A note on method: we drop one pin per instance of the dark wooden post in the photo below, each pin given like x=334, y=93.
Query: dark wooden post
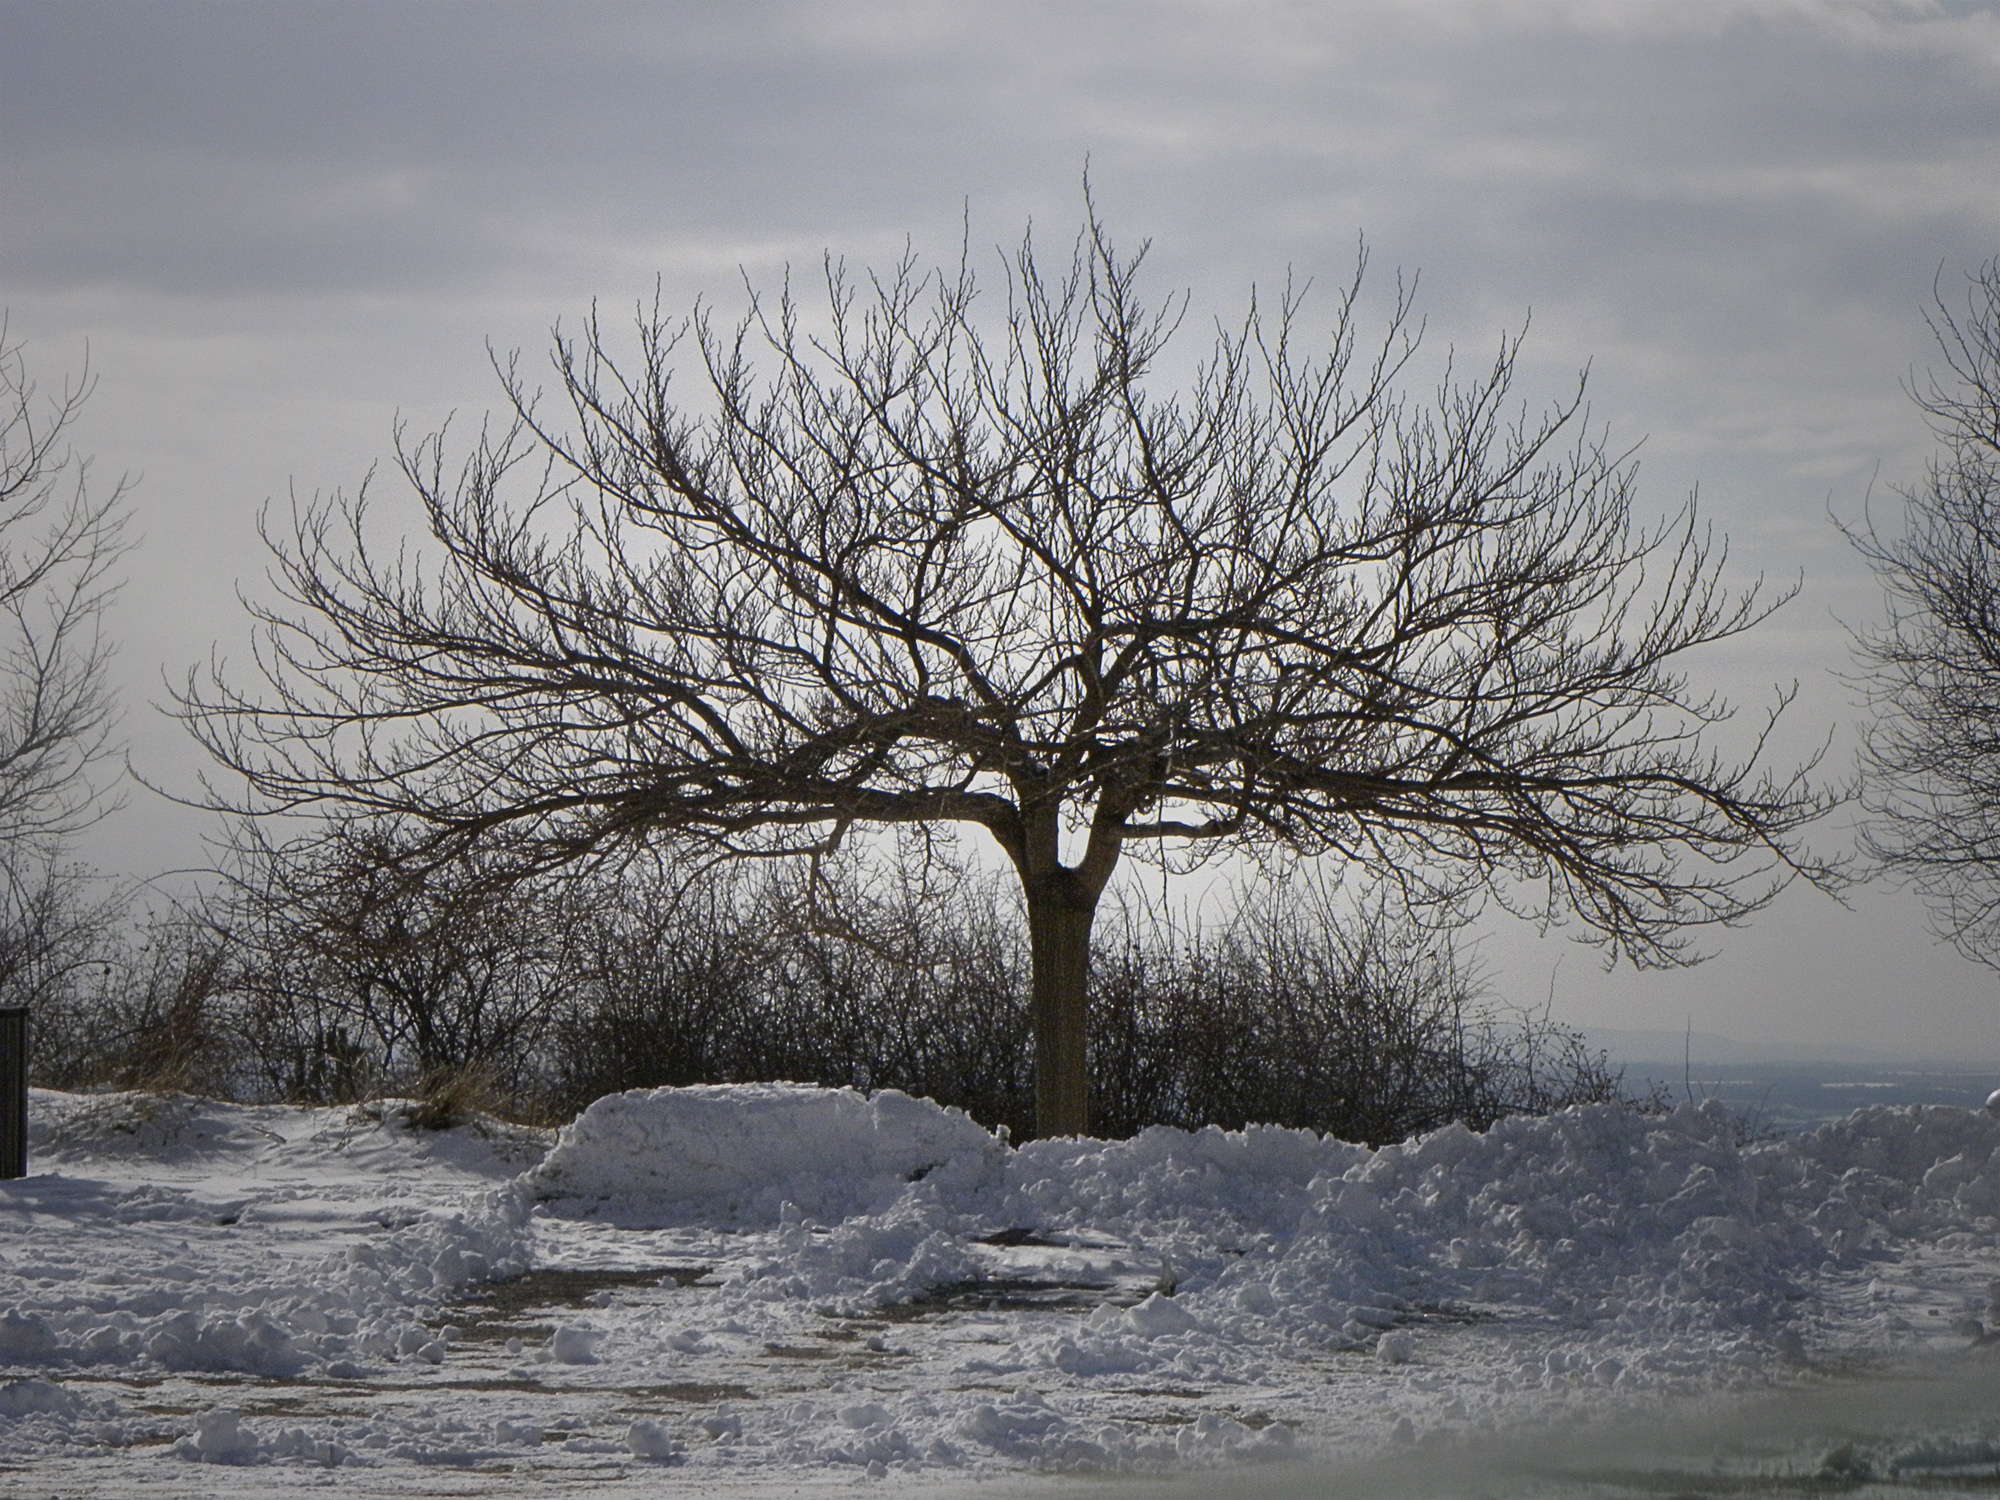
x=13, y=1091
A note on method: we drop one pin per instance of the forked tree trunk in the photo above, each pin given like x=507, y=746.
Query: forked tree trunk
x=1059, y=942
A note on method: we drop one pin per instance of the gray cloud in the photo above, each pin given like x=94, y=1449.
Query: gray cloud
x=277, y=223
x=210, y=148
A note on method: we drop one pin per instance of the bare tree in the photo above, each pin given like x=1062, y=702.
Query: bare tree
x=930, y=566
x=1931, y=756
x=59, y=544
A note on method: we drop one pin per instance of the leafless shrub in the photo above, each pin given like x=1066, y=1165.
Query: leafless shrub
x=333, y=977
x=735, y=979
x=1357, y=1023
x=357, y=974
x=149, y=1011
x=56, y=924
x=1353, y=1021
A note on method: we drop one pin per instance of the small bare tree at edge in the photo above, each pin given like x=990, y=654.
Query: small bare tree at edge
x=61, y=541
x=927, y=565
x=1930, y=759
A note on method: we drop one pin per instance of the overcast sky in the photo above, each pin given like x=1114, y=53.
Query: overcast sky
x=277, y=226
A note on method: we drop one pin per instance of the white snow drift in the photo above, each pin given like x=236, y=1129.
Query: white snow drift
x=1240, y=1294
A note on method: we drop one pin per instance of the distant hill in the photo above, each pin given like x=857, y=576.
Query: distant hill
x=1706, y=1047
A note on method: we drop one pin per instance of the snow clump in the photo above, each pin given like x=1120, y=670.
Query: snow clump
x=738, y=1154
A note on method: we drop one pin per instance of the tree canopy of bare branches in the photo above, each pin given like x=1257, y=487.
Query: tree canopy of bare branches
x=915, y=557
x=1931, y=757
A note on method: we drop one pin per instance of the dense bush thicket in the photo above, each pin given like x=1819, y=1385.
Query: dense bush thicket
x=157, y=1011
x=1358, y=1024
x=325, y=976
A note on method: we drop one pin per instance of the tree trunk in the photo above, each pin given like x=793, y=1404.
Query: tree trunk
x=1059, y=919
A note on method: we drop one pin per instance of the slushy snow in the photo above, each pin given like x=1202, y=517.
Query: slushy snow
x=788, y=1281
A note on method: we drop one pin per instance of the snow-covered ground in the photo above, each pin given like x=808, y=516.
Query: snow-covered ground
x=771, y=1289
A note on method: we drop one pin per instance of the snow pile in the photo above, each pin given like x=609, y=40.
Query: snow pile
x=1029, y=1427
x=811, y=1279
x=738, y=1154
x=1200, y=1183
x=1906, y=1172
x=1641, y=1226
x=153, y=1309
x=1647, y=1225
x=170, y=1296
x=1025, y=1428
x=138, y=1126
x=865, y=1262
